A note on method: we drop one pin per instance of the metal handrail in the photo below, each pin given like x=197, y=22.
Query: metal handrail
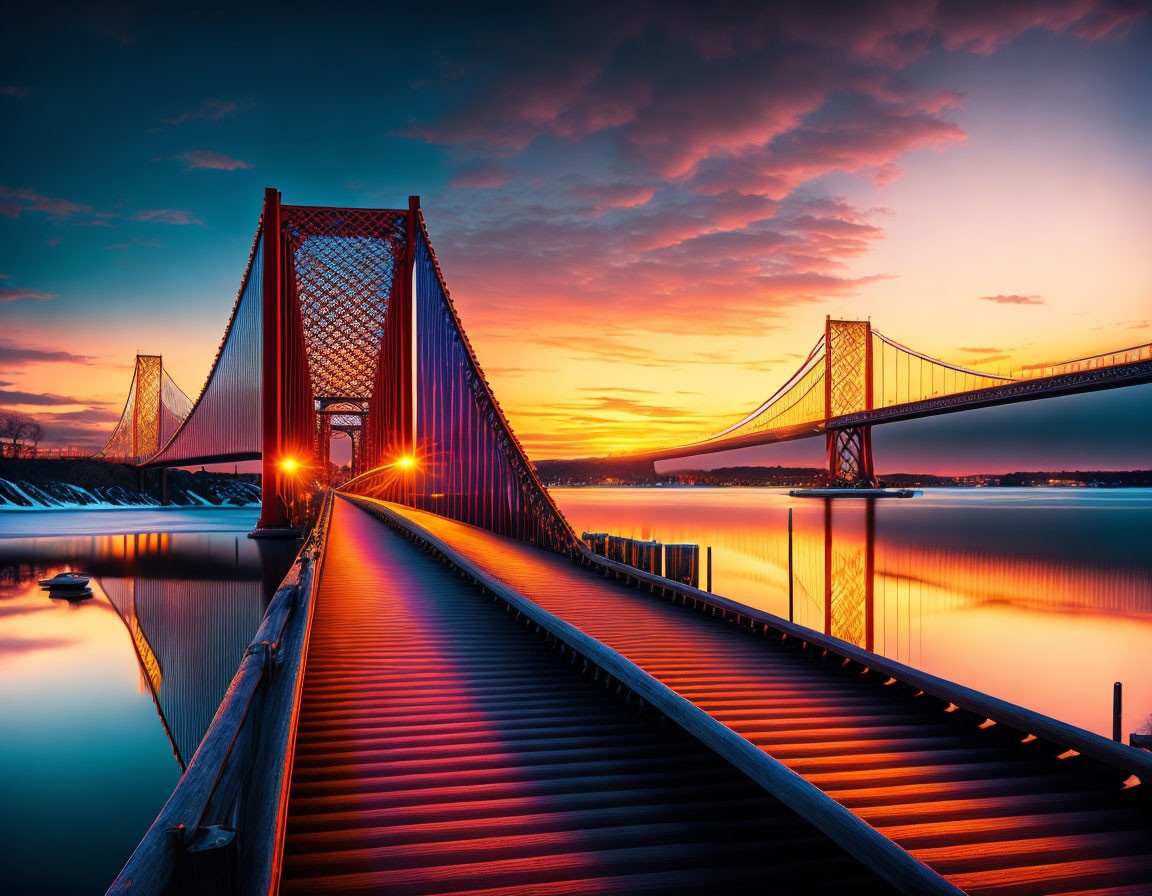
x=1125, y=758
x=194, y=838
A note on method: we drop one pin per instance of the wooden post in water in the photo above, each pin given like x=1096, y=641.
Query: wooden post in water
x=709, y=569
x=1117, y=709
x=790, y=578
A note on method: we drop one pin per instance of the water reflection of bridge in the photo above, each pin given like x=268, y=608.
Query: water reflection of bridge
x=873, y=581
x=189, y=636
x=190, y=601
x=850, y=582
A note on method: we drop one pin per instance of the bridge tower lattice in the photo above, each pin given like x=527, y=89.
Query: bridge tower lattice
x=848, y=381
x=153, y=412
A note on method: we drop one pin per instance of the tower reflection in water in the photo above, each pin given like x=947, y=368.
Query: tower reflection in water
x=190, y=636
x=877, y=593
x=190, y=602
x=190, y=633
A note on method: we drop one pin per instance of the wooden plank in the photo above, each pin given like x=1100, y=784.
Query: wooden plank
x=854, y=835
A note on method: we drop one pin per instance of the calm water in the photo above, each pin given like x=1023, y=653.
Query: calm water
x=1039, y=596
x=102, y=702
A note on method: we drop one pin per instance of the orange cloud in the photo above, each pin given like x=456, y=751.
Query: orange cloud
x=1013, y=300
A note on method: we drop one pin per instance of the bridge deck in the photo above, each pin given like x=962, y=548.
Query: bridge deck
x=441, y=748
x=988, y=812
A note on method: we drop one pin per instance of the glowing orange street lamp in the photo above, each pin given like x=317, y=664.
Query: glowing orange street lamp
x=406, y=462
x=288, y=465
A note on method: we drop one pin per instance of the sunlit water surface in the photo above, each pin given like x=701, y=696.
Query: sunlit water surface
x=102, y=702
x=1038, y=596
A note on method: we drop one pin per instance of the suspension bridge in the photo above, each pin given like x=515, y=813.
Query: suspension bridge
x=323, y=341
x=855, y=378
x=450, y=693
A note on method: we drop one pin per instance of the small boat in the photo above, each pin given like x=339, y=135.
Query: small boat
x=66, y=580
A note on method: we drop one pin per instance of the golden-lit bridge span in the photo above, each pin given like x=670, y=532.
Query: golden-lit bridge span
x=855, y=378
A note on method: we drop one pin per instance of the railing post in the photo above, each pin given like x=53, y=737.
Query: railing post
x=1117, y=710
x=709, y=569
x=791, y=579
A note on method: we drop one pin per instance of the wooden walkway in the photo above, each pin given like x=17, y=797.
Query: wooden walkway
x=442, y=748
x=991, y=810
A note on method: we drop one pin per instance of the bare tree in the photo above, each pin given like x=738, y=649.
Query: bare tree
x=35, y=435
x=17, y=429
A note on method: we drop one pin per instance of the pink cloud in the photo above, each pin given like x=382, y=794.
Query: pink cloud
x=210, y=110
x=13, y=294
x=665, y=164
x=15, y=353
x=992, y=358
x=15, y=200
x=208, y=159
x=736, y=78
x=1013, y=300
x=615, y=195
x=984, y=28
x=168, y=216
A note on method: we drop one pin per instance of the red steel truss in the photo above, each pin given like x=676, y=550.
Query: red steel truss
x=444, y=445
x=343, y=324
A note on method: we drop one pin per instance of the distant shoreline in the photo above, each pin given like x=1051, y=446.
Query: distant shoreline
x=563, y=474
x=102, y=508
x=671, y=485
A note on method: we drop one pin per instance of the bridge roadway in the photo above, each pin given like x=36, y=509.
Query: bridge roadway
x=988, y=808
x=440, y=748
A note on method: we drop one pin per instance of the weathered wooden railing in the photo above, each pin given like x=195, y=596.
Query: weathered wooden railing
x=221, y=830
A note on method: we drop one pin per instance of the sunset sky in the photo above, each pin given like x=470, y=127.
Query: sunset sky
x=644, y=211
